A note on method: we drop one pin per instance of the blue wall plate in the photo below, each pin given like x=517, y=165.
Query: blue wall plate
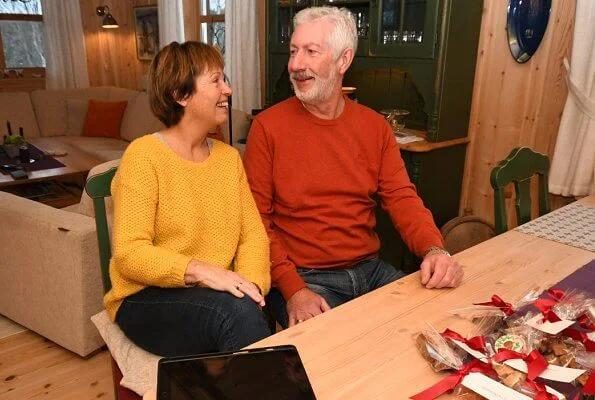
x=527, y=22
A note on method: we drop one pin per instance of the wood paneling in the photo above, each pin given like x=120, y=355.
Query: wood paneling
x=111, y=53
x=513, y=104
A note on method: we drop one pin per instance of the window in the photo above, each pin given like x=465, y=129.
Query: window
x=212, y=23
x=21, y=36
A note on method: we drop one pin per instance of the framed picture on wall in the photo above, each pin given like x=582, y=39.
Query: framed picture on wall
x=147, y=32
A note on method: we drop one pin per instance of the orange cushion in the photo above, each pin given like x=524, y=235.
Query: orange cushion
x=104, y=118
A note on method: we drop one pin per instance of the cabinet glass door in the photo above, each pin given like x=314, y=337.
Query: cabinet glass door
x=405, y=28
x=284, y=11
x=361, y=11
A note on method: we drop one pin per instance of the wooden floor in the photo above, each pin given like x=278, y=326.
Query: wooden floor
x=32, y=367
x=9, y=328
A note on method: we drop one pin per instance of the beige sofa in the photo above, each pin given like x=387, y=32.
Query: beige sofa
x=50, y=279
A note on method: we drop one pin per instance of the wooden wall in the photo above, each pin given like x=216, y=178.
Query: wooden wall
x=513, y=104
x=111, y=53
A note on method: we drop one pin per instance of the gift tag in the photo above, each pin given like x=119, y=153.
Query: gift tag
x=494, y=390
x=553, y=328
x=552, y=372
x=491, y=389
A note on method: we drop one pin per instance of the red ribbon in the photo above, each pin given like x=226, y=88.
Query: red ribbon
x=586, y=322
x=545, y=305
x=589, y=387
x=505, y=307
x=536, y=363
x=476, y=343
x=556, y=294
x=450, y=382
x=581, y=337
x=542, y=393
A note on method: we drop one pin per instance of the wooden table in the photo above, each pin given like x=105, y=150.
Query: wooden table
x=364, y=349
x=75, y=162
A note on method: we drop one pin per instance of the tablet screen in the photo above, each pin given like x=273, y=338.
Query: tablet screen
x=269, y=373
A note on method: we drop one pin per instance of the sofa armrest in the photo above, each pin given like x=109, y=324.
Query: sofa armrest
x=50, y=278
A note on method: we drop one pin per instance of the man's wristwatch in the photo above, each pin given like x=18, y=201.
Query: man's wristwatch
x=436, y=250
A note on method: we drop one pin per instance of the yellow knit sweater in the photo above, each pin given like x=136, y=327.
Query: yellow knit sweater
x=168, y=210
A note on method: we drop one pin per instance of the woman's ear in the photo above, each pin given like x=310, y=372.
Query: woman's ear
x=183, y=102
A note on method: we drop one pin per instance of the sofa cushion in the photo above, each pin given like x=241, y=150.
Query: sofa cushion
x=139, y=119
x=104, y=119
x=51, y=110
x=77, y=111
x=104, y=148
x=16, y=107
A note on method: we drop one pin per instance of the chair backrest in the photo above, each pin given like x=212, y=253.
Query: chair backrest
x=520, y=165
x=98, y=187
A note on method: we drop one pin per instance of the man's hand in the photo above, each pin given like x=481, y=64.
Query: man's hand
x=440, y=270
x=305, y=304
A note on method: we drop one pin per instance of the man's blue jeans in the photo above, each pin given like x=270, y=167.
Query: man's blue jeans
x=338, y=286
x=174, y=322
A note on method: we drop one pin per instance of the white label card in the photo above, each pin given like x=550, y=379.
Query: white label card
x=491, y=389
x=553, y=328
x=494, y=390
x=552, y=372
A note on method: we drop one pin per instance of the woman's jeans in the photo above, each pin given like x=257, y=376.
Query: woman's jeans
x=183, y=321
x=339, y=285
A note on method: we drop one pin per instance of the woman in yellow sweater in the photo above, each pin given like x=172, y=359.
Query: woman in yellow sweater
x=190, y=265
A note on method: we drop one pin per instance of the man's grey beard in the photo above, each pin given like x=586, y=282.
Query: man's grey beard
x=322, y=90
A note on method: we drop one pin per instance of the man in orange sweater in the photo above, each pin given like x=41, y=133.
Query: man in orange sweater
x=314, y=162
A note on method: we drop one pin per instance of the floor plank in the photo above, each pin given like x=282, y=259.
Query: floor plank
x=9, y=328
x=32, y=367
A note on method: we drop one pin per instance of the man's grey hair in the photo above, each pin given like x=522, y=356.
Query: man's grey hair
x=344, y=35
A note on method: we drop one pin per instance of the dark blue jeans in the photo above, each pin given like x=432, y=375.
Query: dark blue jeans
x=338, y=286
x=184, y=321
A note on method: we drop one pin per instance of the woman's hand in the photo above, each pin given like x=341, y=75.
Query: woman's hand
x=223, y=280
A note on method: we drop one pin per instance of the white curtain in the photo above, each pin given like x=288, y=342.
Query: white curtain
x=171, y=21
x=242, y=61
x=572, y=172
x=66, y=59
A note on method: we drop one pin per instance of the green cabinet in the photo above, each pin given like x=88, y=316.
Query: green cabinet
x=417, y=55
x=414, y=54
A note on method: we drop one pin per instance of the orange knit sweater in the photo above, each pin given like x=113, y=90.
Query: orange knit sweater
x=313, y=182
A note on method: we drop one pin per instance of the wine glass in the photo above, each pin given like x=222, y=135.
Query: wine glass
x=396, y=120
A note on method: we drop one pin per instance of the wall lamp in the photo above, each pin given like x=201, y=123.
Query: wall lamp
x=109, y=22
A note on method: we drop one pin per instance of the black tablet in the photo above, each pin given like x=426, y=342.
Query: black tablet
x=265, y=373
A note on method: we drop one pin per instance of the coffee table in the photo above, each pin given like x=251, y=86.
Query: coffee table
x=77, y=164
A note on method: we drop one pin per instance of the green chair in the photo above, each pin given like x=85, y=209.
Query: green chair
x=520, y=165
x=98, y=187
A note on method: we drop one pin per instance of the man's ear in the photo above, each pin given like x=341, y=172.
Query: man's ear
x=345, y=60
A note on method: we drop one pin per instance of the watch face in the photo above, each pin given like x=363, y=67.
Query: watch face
x=527, y=23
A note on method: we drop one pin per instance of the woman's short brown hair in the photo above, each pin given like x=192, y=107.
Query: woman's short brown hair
x=172, y=74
